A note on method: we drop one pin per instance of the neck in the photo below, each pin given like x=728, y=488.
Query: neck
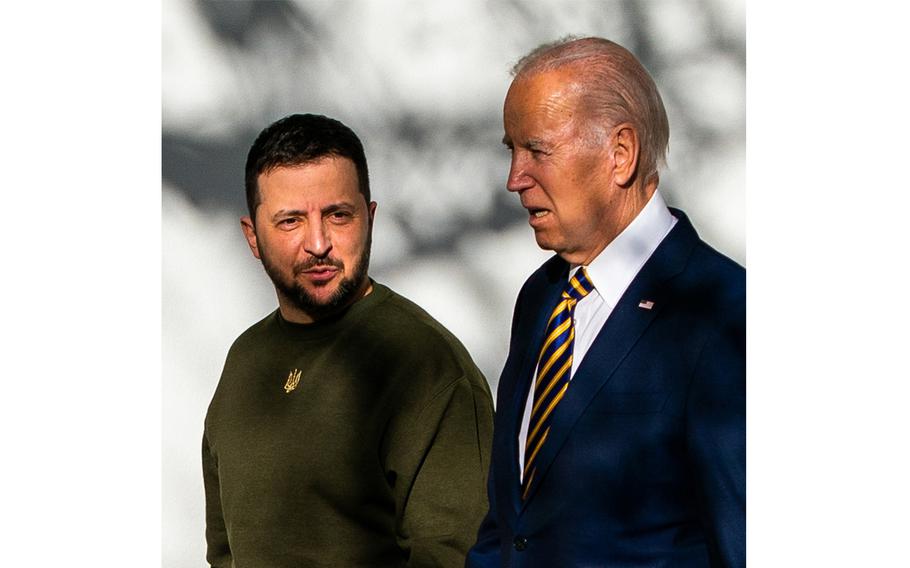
x=624, y=210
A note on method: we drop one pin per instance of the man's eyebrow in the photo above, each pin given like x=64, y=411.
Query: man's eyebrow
x=339, y=206
x=288, y=213
x=531, y=143
x=330, y=208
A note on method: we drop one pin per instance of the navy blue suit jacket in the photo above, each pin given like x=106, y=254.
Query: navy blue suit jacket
x=645, y=464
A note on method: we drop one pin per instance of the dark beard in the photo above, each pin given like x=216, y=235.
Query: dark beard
x=347, y=289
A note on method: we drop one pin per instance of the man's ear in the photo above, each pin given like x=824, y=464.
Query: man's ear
x=625, y=151
x=249, y=231
x=372, y=209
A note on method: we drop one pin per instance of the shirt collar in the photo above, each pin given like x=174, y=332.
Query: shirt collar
x=615, y=267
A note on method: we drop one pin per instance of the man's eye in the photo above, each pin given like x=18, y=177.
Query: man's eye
x=340, y=216
x=288, y=223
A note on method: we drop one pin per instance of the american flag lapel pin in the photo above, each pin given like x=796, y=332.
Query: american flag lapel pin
x=646, y=304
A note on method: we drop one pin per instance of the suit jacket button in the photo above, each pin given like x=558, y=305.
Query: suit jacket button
x=520, y=543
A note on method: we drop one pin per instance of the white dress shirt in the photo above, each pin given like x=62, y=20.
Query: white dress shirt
x=610, y=273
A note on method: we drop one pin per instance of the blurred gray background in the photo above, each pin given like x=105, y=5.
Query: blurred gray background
x=422, y=84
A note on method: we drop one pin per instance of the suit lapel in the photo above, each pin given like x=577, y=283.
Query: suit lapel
x=616, y=339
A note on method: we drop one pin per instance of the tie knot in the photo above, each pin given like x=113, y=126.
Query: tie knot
x=579, y=286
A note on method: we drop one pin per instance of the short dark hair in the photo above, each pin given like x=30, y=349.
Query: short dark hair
x=301, y=139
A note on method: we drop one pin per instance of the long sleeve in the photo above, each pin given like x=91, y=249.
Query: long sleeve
x=716, y=431
x=218, y=554
x=439, y=462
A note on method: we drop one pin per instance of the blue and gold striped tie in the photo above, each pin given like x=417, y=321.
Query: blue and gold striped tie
x=554, y=366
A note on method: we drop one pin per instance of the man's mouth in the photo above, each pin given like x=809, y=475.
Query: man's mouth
x=320, y=273
x=538, y=217
x=537, y=213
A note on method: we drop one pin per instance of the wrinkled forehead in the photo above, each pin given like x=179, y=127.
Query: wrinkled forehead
x=566, y=80
x=553, y=98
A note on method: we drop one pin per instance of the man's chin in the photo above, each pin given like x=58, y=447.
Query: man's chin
x=323, y=297
x=544, y=241
x=322, y=300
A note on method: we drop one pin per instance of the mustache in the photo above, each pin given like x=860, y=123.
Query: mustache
x=314, y=262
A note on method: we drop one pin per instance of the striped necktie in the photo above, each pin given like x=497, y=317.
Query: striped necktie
x=554, y=366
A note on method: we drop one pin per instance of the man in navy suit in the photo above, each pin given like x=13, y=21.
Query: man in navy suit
x=619, y=436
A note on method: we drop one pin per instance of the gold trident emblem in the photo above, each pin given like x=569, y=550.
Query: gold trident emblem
x=292, y=382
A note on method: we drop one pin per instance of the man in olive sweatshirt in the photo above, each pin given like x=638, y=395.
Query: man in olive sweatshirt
x=349, y=428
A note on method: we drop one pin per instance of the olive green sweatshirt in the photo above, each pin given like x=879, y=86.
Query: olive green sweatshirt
x=359, y=441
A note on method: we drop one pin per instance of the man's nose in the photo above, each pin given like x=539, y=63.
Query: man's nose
x=518, y=176
x=318, y=240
